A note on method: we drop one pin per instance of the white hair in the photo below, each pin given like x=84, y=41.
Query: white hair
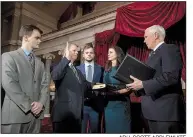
x=159, y=29
x=69, y=44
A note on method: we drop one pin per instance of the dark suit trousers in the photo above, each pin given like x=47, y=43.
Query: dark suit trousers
x=91, y=116
x=166, y=127
x=67, y=126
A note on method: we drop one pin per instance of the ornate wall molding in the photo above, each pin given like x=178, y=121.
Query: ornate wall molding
x=81, y=37
x=49, y=56
x=93, y=15
x=11, y=42
x=38, y=14
x=32, y=12
x=97, y=21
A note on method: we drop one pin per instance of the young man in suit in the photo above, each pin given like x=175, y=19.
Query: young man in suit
x=162, y=97
x=94, y=105
x=70, y=87
x=25, y=83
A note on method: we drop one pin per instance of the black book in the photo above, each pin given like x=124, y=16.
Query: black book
x=134, y=67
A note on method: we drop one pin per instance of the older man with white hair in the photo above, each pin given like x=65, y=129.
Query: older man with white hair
x=162, y=97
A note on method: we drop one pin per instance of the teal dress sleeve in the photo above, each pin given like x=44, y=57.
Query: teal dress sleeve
x=108, y=77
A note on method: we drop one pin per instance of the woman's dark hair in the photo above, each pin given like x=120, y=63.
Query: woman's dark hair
x=120, y=57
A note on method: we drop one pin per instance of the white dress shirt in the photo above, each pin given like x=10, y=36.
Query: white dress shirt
x=158, y=45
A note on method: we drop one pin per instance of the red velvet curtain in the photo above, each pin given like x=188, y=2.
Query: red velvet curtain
x=182, y=47
x=138, y=52
x=103, y=41
x=133, y=19
x=183, y=53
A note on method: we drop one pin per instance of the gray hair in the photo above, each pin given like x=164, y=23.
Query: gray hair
x=159, y=29
x=69, y=44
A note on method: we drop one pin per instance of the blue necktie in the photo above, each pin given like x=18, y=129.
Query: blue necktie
x=89, y=74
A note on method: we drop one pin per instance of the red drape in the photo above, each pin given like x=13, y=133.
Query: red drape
x=138, y=52
x=103, y=41
x=183, y=53
x=182, y=47
x=133, y=19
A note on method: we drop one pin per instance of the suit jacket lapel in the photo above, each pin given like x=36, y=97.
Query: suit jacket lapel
x=95, y=72
x=82, y=67
x=155, y=52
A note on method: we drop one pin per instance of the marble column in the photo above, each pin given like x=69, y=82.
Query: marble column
x=49, y=57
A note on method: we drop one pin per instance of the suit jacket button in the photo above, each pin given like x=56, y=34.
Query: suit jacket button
x=34, y=81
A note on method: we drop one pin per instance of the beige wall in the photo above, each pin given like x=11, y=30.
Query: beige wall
x=101, y=5
x=28, y=20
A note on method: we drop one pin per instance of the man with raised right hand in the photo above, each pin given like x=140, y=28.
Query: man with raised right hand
x=70, y=87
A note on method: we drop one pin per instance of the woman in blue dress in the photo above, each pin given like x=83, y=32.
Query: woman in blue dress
x=117, y=110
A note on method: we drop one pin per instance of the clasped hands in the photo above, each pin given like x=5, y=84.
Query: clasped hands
x=37, y=107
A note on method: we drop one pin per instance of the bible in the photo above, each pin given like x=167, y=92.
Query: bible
x=99, y=86
x=134, y=67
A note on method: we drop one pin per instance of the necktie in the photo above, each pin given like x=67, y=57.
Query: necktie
x=32, y=61
x=75, y=72
x=151, y=53
x=89, y=74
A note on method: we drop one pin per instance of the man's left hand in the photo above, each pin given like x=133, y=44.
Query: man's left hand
x=136, y=85
x=36, y=107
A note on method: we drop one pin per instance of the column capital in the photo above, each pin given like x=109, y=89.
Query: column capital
x=48, y=56
x=61, y=52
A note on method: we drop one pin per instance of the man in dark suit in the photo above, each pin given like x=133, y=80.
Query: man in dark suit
x=70, y=87
x=93, y=105
x=162, y=97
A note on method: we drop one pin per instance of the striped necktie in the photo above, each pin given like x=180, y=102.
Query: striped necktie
x=75, y=72
x=32, y=61
x=151, y=53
